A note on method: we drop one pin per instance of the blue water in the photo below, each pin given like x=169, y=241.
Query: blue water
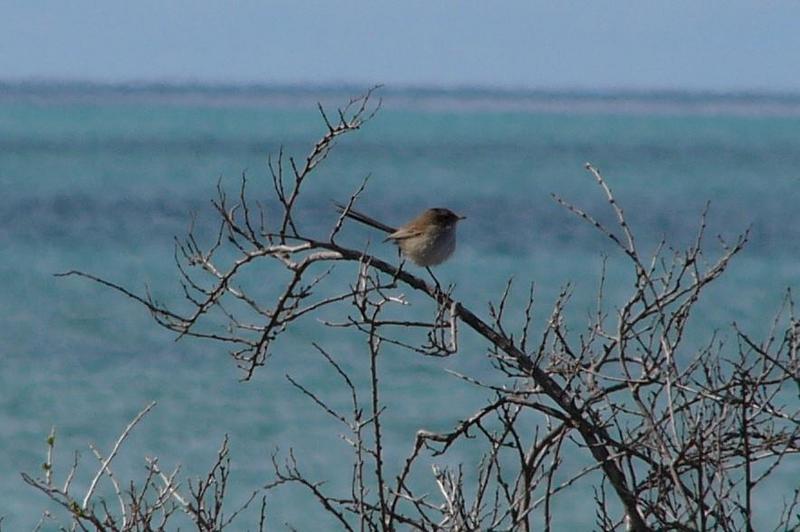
x=100, y=180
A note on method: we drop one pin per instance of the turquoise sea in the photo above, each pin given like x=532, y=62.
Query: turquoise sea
x=100, y=179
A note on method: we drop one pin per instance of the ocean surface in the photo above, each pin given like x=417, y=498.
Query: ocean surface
x=101, y=179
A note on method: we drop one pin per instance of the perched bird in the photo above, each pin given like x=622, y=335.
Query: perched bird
x=427, y=240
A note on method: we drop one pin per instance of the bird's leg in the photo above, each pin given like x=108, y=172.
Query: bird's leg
x=435, y=280
x=397, y=271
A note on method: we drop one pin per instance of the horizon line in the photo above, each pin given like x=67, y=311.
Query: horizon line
x=465, y=89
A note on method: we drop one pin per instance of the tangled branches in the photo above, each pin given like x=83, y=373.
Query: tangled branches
x=682, y=437
x=152, y=505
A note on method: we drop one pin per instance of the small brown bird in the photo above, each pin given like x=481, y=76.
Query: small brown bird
x=427, y=240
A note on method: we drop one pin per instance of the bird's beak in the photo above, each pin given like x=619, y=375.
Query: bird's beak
x=461, y=217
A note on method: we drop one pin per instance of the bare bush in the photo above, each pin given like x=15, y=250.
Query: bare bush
x=671, y=437
x=152, y=505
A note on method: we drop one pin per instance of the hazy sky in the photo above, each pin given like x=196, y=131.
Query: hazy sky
x=698, y=44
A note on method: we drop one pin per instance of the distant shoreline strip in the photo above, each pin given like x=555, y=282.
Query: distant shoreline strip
x=423, y=98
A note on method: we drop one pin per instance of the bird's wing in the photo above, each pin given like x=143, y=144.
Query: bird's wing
x=404, y=233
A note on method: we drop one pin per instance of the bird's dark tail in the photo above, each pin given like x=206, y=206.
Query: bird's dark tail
x=363, y=218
